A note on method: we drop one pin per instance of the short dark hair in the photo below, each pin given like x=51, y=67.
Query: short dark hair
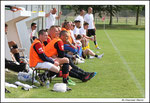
x=6, y=25
x=81, y=10
x=33, y=24
x=78, y=37
x=65, y=24
x=62, y=32
x=77, y=21
x=85, y=23
x=41, y=32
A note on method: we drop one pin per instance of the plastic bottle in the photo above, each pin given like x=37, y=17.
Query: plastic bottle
x=47, y=83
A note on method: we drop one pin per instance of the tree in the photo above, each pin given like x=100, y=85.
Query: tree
x=139, y=8
x=111, y=10
x=136, y=8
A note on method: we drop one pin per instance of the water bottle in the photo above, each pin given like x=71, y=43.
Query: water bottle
x=47, y=83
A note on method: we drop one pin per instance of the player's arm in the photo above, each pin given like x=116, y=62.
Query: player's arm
x=60, y=48
x=71, y=44
x=39, y=50
x=48, y=14
x=59, y=15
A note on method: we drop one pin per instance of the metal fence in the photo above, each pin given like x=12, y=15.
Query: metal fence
x=125, y=17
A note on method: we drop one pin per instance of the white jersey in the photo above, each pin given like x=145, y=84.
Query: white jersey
x=79, y=43
x=32, y=33
x=81, y=19
x=50, y=20
x=82, y=31
x=89, y=19
x=76, y=31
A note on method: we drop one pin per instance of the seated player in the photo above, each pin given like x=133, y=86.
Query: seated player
x=50, y=51
x=37, y=58
x=70, y=45
x=87, y=51
x=75, y=72
x=85, y=39
x=77, y=28
x=13, y=47
x=59, y=51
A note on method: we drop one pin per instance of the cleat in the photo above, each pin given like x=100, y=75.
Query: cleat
x=100, y=56
x=98, y=48
x=86, y=78
x=78, y=61
x=89, y=76
x=70, y=82
x=91, y=57
x=93, y=75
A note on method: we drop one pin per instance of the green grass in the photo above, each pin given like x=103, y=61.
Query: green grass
x=112, y=79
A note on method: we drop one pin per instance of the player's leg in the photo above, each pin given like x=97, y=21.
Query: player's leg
x=14, y=50
x=48, y=66
x=95, y=42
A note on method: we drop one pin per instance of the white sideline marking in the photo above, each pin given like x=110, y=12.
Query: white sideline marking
x=138, y=85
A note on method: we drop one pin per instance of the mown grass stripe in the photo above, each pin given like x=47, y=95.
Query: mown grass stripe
x=138, y=85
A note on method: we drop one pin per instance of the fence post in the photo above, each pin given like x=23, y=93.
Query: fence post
x=126, y=20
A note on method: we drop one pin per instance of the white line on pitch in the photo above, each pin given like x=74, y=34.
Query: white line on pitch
x=138, y=85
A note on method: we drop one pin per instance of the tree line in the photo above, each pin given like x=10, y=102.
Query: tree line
x=110, y=10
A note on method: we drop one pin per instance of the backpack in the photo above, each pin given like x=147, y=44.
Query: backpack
x=15, y=67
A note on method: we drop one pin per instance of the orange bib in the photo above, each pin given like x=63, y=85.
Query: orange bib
x=34, y=58
x=50, y=50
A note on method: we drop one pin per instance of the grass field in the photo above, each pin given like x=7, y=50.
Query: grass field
x=120, y=73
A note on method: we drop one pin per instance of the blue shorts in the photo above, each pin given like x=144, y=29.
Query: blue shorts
x=73, y=50
x=70, y=48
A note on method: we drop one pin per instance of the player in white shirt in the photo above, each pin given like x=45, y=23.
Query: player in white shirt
x=87, y=52
x=80, y=17
x=77, y=28
x=51, y=18
x=91, y=29
x=32, y=32
x=85, y=39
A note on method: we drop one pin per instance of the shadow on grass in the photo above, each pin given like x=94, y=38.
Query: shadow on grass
x=120, y=27
x=11, y=76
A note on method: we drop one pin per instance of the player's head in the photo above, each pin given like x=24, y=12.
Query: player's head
x=54, y=11
x=77, y=23
x=33, y=26
x=86, y=25
x=43, y=35
x=82, y=12
x=59, y=28
x=67, y=25
x=90, y=10
x=72, y=26
x=79, y=37
x=64, y=35
x=53, y=32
